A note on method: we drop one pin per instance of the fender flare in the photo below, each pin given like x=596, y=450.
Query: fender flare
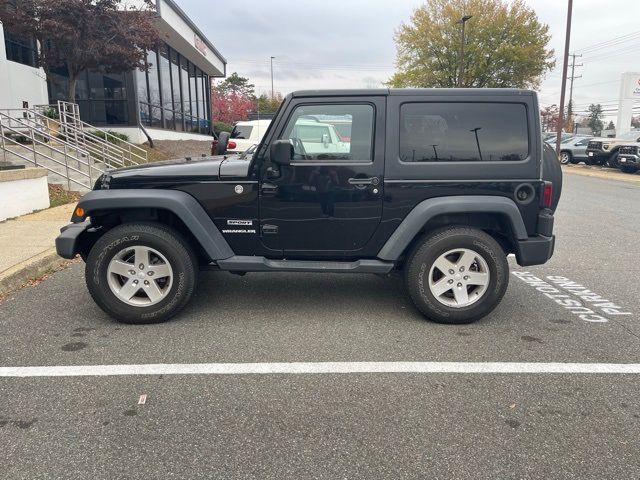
x=428, y=209
x=183, y=205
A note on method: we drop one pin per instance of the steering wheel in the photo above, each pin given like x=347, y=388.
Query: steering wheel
x=298, y=146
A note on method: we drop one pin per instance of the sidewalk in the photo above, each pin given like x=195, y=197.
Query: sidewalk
x=601, y=172
x=27, y=246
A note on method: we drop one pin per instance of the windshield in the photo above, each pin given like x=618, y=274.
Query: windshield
x=241, y=131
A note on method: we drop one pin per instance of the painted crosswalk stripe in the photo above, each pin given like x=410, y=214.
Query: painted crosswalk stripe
x=320, y=368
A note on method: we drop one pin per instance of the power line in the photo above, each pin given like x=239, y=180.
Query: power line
x=610, y=42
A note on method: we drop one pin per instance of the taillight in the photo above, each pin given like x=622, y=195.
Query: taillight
x=231, y=145
x=547, y=195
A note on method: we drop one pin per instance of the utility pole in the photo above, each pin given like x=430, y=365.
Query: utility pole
x=565, y=63
x=572, y=78
x=463, y=20
x=272, y=94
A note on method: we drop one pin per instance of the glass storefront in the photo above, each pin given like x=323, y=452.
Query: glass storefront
x=173, y=94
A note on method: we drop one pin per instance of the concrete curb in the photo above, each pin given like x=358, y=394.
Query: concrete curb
x=16, y=276
x=599, y=172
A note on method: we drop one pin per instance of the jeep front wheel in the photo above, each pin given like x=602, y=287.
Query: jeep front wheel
x=457, y=275
x=141, y=273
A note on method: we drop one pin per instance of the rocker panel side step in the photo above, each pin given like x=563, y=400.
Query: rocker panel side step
x=239, y=263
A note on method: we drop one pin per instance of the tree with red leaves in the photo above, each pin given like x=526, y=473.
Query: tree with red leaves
x=232, y=99
x=549, y=117
x=98, y=35
x=230, y=107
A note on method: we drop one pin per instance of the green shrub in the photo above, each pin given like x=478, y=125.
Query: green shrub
x=221, y=127
x=114, y=137
x=22, y=139
x=51, y=113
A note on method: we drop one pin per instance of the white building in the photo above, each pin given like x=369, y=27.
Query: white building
x=172, y=100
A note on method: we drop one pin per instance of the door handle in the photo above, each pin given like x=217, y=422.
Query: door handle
x=269, y=189
x=361, y=182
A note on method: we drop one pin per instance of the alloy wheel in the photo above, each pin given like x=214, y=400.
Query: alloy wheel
x=459, y=277
x=139, y=276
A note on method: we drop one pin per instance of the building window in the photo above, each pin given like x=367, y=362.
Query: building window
x=20, y=50
x=175, y=88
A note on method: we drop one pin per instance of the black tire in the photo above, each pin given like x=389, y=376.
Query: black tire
x=552, y=172
x=223, y=141
x=612, y=161
x=574, y=160
x=566, y=157
x=591, y=161
x=158, y=237
x=629, y=169
x=430, y=248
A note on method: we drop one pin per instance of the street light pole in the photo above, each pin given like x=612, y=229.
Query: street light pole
x=463, y=20
x=565, y=65
x=272, y=94
x=475, y=130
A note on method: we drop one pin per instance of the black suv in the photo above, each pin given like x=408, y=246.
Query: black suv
x=440, y=184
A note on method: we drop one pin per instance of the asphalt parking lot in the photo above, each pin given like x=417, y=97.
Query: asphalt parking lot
x=341, y=425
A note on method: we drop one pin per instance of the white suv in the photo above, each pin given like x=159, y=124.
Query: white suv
x=244, y=135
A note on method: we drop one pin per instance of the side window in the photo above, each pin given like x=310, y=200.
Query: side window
x=463, y=132
x=331, y=132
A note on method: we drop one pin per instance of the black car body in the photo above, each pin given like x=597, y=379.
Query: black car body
x=416, y=163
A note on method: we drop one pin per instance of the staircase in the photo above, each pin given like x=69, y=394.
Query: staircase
x=54, y=137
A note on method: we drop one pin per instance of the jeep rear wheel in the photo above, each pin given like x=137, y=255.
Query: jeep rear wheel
x=457, y=275
x=141, y=273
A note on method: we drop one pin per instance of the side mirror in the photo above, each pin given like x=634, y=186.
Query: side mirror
x=325, y=139
x=281, y=152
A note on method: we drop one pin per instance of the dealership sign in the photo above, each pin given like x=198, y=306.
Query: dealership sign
x=629, y=91
x=200, y=45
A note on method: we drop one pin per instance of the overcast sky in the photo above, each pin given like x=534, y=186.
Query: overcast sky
x=349, y=43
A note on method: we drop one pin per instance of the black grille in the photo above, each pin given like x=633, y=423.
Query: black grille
x=595, y=145
x=628, y=150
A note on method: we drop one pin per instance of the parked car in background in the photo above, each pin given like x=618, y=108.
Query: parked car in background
x=550, y=137
x=574, y=150
x=243, y=135
x=602, y=150
x=319, y=138
x=629, y=158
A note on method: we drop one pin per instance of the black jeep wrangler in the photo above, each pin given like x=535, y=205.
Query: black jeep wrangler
x=440, y=184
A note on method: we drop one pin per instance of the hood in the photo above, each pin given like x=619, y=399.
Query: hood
x=173, y=172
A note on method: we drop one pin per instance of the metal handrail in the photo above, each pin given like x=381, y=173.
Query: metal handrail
x=96, y=145
x=63, y=112
x=34, y=132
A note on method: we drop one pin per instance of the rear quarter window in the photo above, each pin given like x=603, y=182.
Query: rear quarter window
x=463, y=132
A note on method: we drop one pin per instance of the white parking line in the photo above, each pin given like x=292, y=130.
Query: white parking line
x=317, y=367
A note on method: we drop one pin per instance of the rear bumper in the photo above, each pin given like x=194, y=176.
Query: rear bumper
x=535, y=250
x=67, y=241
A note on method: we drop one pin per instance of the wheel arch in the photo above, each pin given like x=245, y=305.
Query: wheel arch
x=498, y=216
x=179, y=210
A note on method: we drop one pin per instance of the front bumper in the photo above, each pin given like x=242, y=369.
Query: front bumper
x=68, y=241
x=633, y=160
x=597, y=154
